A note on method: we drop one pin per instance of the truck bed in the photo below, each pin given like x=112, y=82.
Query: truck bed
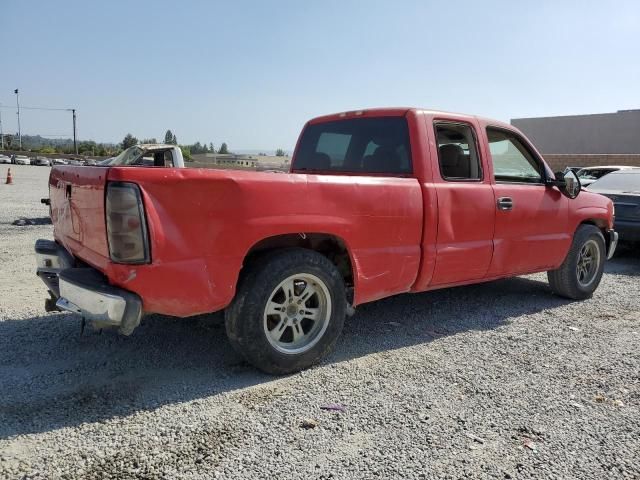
x=203, y=222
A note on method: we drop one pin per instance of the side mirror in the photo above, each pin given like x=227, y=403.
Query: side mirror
x=568, y=183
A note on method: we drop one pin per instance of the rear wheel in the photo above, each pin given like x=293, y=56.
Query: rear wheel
x=288, y=311
x=581, y=272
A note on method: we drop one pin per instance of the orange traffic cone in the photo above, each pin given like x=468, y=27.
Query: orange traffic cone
x=9, y=178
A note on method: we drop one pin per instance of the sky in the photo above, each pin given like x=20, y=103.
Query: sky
x=251, y=73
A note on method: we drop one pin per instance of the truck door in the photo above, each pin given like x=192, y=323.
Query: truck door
x=466, y=212
x=531, y=218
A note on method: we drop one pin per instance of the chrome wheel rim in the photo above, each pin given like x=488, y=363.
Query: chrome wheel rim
x=588, y=263
x=297, y=313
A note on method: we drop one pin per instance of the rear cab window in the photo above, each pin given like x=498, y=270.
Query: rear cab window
x=357, y=145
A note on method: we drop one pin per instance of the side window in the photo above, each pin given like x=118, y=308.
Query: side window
x=457, y=152
x=168, y=159
x=512, y=161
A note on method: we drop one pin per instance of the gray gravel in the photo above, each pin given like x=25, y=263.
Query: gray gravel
x=501, y=380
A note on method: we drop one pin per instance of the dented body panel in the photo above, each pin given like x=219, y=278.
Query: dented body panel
x=198, y=243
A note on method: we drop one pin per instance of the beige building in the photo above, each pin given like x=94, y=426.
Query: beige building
x=585, y=140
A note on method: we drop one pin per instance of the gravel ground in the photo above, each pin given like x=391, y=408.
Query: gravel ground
x=501, y=380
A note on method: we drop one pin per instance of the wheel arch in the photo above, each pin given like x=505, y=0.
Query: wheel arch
x=332, y=246
x=599, y=223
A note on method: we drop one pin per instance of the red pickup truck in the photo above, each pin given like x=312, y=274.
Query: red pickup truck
x=377, y=202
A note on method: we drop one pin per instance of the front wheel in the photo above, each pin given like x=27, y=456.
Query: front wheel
x=581, y=272
x=288, y=311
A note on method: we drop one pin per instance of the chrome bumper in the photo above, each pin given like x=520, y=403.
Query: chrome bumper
x=613, y=243
x=86, y=291
x=51, y=259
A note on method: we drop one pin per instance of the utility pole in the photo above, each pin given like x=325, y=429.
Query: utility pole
x=1, y=132
x=75, y=144
x=19, y=132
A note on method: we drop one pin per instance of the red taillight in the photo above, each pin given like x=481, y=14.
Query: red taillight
x=126, y=224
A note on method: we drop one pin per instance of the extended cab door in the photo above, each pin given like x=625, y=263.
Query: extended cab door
x=466, y=212
x=531, y=217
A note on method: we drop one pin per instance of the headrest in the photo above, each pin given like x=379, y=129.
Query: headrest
x=319, y=161
x=450, y=154
x=383, y=160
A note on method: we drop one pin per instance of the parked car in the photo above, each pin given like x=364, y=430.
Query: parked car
x=75, y=162
x=59, y=161
x=574, y=169
x=588, y=175
x=22, y=160
x=5, y=159
x=377, y=202
x=623, y=188
x=41, y=161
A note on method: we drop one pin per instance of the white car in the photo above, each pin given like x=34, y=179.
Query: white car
x=5, y=159
x=41, y=161
x=59, y=161
x=22, y=160
x=588, y=175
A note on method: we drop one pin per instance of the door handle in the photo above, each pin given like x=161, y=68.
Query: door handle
x=505, y=203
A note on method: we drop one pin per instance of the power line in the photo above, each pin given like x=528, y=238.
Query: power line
x=40, y=108
x=50, y=109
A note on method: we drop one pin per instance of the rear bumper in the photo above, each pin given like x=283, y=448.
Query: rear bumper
x=612, y=243
x=51, y=259
x=86, y=291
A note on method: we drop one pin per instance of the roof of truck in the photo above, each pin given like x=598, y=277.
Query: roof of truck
x=399, y=111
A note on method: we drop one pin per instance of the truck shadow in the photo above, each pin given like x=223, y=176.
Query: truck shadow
x=626, y=261
x=51, y=377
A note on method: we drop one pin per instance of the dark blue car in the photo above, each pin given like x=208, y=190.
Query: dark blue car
x=623, y=187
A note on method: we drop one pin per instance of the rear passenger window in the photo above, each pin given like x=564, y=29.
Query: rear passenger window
x=457, y=152
x=356, y=145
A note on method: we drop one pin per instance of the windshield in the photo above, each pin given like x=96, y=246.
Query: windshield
x=594, y=173
x=628, y=181
x=127, y=157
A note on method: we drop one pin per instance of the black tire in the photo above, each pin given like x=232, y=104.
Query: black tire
x=245, y=320
x=565, y=280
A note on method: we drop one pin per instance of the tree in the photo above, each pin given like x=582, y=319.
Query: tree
x=149, y=140
x=87, y=147
x=186, y=153
x=223, y=148
x=280, y=153
x=174, y=141
x=168, y=137
x=129, y=141
x=211, y=149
